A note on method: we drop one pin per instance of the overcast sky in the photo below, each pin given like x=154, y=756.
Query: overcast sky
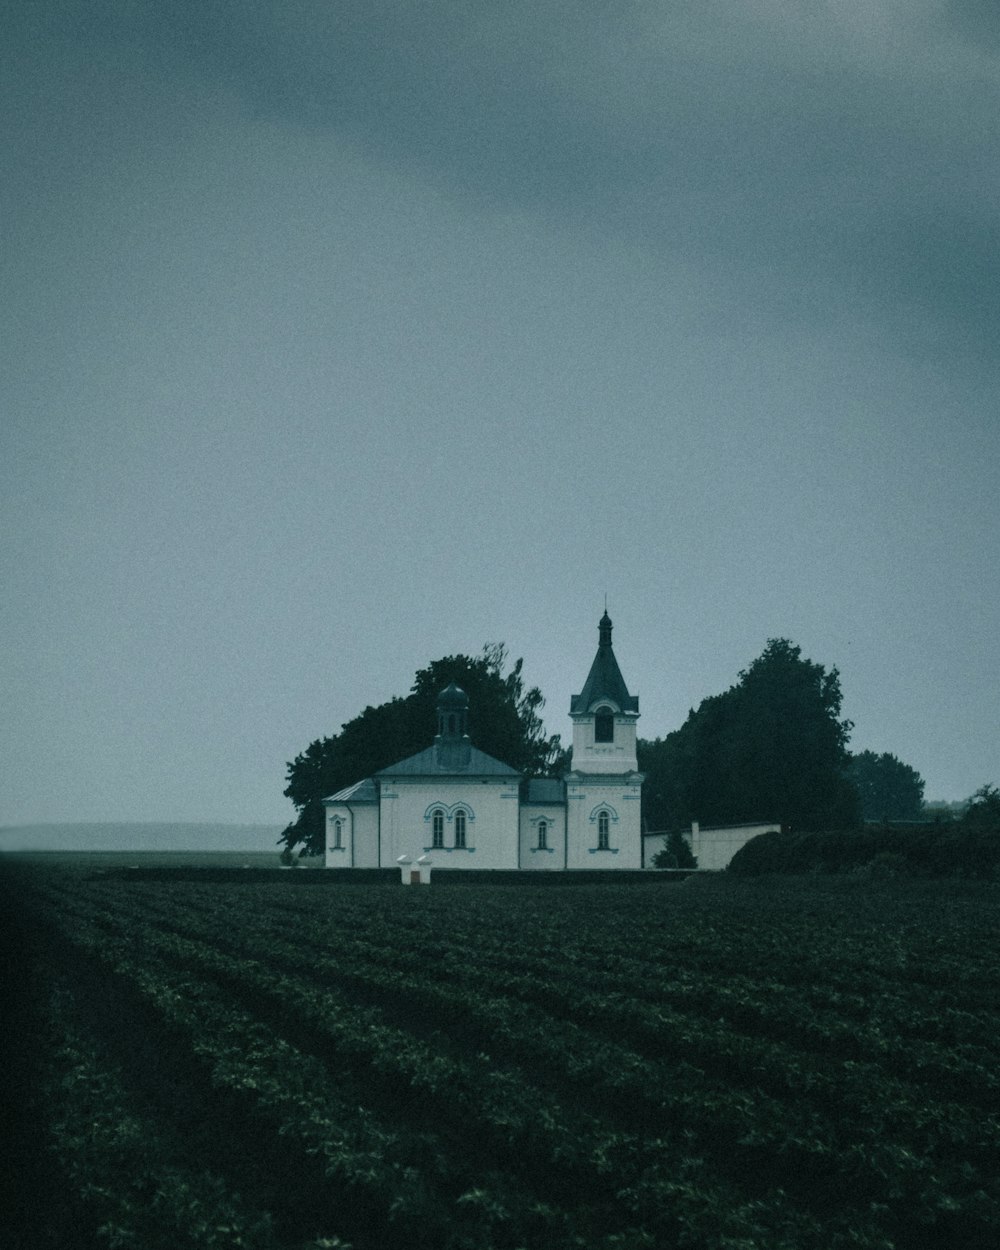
x=338, y=337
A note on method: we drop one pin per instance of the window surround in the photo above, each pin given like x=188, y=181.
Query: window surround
x=438, y=815
x=603, y=816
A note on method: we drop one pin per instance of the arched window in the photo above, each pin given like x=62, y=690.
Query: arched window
x=603, y=832
x=338, y=835
x=437, y=828
x=543, y=835
x=604, y=726
x=460, y=829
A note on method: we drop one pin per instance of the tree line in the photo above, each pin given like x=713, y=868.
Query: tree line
x=773, y=747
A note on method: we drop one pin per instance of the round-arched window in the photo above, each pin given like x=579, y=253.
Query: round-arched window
x=437, y=828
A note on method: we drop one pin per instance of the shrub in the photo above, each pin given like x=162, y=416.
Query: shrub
x=933, y=851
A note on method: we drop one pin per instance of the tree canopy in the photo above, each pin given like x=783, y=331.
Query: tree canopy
x=887, y=788
x=504, y=718
x=772, y=747
x=983, y=811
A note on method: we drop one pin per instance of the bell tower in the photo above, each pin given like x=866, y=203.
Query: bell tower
x=604, y=785
x=604, y=714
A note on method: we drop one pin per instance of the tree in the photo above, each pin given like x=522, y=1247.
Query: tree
x=888, y=788
x=676, y=852
x=983, y=811
x=504, y=717
x=661, y=761
x=771, y=747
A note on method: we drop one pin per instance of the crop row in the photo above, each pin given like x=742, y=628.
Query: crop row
x=659, y=1183
x=761, y=1031
x=515, y=1091
x=384, y=1185
x=760, y=1138
x=132, y=1182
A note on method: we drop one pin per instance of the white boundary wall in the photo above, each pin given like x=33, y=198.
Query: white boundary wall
x=713, y=846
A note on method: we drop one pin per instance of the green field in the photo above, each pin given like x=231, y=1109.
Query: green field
x=806, y=1063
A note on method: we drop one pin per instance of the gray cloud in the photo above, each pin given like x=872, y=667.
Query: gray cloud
x=829, y=164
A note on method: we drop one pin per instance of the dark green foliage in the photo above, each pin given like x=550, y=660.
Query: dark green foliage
x=932, y=851
x=662, y=761
x=888, y=788
x=504, y=721
x=983, y=811
x=772, y=747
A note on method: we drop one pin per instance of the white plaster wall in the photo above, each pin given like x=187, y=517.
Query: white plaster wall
x=531, y=857
x=622, y=798
x=605, y=757
x=366, y=835
x=714, y=848
x=491, y=837
x=338, y=858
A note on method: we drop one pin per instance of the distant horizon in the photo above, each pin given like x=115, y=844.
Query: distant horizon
x=239, y=824
x=136, y=836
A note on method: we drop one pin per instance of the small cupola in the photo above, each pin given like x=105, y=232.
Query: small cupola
x=452, y=745
x=452, y=712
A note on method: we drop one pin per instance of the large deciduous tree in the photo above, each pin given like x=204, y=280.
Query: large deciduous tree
x=888, y=788
x=504, y=719
x=772, y=747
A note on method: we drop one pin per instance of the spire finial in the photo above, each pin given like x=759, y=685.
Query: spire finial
x=604, y=629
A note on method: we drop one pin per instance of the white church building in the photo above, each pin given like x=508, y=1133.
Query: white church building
x=464, y=809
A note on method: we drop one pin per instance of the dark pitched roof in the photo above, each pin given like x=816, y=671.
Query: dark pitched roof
x=360, y=792
x=435, y=763
x=605, y=680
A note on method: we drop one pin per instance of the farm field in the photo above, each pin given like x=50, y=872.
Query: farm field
x=708, y=1064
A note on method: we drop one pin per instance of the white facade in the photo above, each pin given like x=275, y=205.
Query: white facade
x=487, y=807
x=463, y=809
x=602, y=820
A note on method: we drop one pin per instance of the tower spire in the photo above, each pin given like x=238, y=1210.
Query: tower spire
x=604, y=629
